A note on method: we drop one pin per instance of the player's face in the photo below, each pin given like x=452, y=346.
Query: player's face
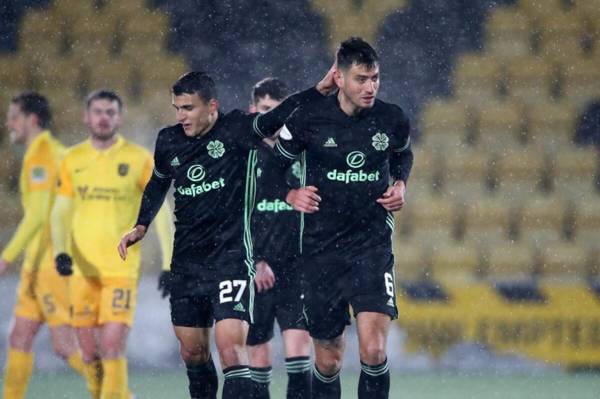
x=194, y=114
x=103, y=119
x=18, y=124
x=264, y=104
x=359, y=84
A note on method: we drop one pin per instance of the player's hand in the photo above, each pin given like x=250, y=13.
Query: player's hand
x=393, y=198
x=327, y=84
x=265, y=278
x=164, y=283
x=304, y=199
x=3, y=266
x=131, y=238
x=64, y=264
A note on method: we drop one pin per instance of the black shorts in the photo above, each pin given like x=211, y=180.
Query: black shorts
x=224, y=292
x=329, y=286
x=282, y=302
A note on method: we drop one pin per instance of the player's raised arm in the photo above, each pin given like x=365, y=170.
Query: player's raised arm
x=267, y=124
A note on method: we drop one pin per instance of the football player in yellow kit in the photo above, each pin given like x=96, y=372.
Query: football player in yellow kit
x=101, y=182
x=42, y=293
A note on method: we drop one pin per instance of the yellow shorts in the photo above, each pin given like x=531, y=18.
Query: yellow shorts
x=98, y=300
x=43, y=296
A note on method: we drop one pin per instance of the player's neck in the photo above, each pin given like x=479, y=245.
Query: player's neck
x=36, y=131
x=346, y=105
x=212, y=120
x=100, y=144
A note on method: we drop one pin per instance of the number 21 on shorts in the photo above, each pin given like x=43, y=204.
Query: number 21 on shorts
x=227, y=287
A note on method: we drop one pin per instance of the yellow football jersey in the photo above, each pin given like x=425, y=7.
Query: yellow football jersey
x=38, y=176
x=106, y=187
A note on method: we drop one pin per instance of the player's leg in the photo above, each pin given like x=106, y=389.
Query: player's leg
x=117, y=308
x=194, y=347
x=258, y=343
x=374, y=307
x=192, y=318
x=230, y=337
x=297, y=363
x=324, y=284
x=19, y=361
x=84, y=297
x=64, y=343
x=373, y=330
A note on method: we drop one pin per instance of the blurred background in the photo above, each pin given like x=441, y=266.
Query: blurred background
x=498, y=247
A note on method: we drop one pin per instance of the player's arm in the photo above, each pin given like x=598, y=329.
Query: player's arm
x=152, y=199
x=401, y=161
x=61, y=220
x=35, y=217
x=267, y=124
x=166, y=233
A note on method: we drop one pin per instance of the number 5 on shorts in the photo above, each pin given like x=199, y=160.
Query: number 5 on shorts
x=226, y=289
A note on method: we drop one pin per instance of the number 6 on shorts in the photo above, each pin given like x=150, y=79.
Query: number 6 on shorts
x=226, y=288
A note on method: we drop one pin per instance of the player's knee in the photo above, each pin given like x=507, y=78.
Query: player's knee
x=232, y=355
x=329, y=365
x=21, y=339
x=62, y=350
x=194, y=355
x=112, y=347
x=372, y=353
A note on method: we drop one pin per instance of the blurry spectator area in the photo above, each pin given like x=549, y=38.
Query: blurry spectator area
x=503, y=192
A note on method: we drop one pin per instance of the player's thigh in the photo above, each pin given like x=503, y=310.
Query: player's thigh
x=22, y=333
x=261, y=330
x=87, y=338
x=373, y=287
x=323, y=291
x=118, y=300
x=52, y=292
x=260, y=355
x=64, y=341
x=27, y=306
x=84, y=296
x=113, y=339
x=296, y=343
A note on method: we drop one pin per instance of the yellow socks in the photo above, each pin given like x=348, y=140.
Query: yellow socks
x=76, y=363
x=92, y=372
x=114, y=383
x=16, y=376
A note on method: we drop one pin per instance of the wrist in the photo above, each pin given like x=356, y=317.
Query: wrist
x=141, y=229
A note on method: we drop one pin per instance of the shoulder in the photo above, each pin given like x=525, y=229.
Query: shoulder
x=389, y=113
x=170, y=133
x=319, y=106
x=77, y=150
x=135, y=149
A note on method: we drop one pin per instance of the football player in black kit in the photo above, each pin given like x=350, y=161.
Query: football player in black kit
x=275, y=229
x=209, y=157
x=356, y=158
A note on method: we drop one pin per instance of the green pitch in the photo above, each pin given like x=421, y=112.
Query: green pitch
x=160, y=385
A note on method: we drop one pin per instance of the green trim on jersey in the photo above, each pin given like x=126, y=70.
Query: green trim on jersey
x=249, y=200
x=302, y=184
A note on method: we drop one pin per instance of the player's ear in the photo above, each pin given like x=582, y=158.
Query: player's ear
x=213, y=105
x=252, y=108
x=338, y=78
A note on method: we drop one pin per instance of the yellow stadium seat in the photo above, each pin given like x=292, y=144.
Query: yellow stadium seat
x=476, y=78
x=589, y=8
x=469, y=167
x=13, y=72
x=508, y=33
x=560, y=261
x=410, y=262
x=508, y=261
x=542, y=219
x=521, y=167
x=529, y=79
x=73, y=10
x=575, y=168
x=500, y=123
x=581, y=80
x=64, y=73
x=488, y=220
x=431, y=218
x=540, y=9
x=423, y=171
x=116, y=74
x=587, y=220
x=444, y=123
x=124, y=9
x=95, y=30
x=550, y=124
x=41, y=35
x=454, y=264
x=161, y=79
x=148, y=26
x=562, y=36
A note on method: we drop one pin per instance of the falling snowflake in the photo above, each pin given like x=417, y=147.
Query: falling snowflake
x=380, y=141
x=215, y=149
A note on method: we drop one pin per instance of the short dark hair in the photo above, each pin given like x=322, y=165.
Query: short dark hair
x=356, y=51
x=31, y=102
x=272, y=87
x=196, y=82
x=103, y=94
